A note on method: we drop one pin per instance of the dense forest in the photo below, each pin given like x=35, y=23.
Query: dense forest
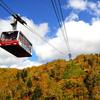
x=77, y=79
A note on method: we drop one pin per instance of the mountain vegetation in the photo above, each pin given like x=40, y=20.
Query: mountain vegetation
x=77, y=79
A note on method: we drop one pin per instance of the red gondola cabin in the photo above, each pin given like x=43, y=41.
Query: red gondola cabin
x=16, y=43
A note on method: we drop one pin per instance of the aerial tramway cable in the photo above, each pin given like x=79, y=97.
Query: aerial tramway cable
x=65, y=35
x=5, y=6
x=60, y=18
x=56, y=10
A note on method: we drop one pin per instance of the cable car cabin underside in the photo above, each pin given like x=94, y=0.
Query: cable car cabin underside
x=16, y=43
x=15, y=49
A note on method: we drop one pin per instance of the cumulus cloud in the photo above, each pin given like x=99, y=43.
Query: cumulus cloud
x=77, y=4
x=47, y=53
x=94, y=8
x=83, y=38
x=72, y=16
x=85, y=5
x=25, y=63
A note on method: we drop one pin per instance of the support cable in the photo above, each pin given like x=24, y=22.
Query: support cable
x=65, y=35
x=60, y=19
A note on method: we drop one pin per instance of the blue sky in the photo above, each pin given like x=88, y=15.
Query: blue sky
x=36, y=10
x=41, y=17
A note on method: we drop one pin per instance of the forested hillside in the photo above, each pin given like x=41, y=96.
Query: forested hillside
x=78, y=79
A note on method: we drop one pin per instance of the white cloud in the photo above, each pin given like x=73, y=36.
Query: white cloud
x=47, y=53
x=85, y=5
x=83, y=38
x=72, y=16
x=22, y=64
x=25, y=63
x=77, y=4
x=94, y=8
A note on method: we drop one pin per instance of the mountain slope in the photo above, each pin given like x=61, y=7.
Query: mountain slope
x=78, y=79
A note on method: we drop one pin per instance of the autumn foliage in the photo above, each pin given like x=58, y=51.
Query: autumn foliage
x=78, y=79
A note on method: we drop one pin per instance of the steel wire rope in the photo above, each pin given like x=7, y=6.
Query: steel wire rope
x=5, y=7
x=66, y=35
x=57, y=16
x=60, y=19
